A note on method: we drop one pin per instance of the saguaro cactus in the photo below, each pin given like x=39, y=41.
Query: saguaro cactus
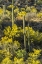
x=24, y=31
x=4, y=9
x=12, y=12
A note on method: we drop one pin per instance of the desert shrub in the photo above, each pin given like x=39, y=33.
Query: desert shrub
x=2, y=55
x=11, y=32
x=6, y=61
x=1, y=11
x=39, y=15
x=39, y=2
x=18, y=61
x=21, y=54
x=16, y=45
x=28, y=9
x=33, y=57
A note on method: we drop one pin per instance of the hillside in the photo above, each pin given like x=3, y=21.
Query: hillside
x=20, y=31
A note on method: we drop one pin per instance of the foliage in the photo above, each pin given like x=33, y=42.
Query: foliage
x=14, y=35
x=16, y=45
x=33, y=57
x=18, y=61
x=34, y=36
x=16, y=10
x=7, y=12
x=11, y=32
x=6, y=61
x=2, y=55
x=12, y=49
x=39, y=15
x=30, y=9
x=1, y=11
x=6, y=40
x=21, y=53
x=10, y=6
x=22, y=13
x=39, y=2
x=33, y=9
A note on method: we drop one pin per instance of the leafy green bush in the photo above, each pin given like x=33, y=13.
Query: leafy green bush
x=21, y=54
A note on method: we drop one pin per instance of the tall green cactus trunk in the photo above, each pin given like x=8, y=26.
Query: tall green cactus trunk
x=24, y=31
x=4, y=10
x=28, y=37
x=12, y=12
